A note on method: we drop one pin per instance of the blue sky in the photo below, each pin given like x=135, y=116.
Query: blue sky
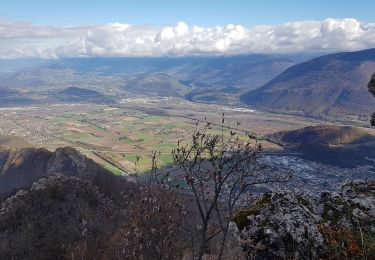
x=193, y=12
x=82, y=28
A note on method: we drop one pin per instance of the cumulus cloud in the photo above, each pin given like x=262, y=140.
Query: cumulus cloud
x=115, y=39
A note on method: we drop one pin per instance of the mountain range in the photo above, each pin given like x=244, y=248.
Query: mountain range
x=330, y=85
x=210, y=71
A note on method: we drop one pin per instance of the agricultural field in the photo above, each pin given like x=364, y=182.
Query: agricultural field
x=117, y=136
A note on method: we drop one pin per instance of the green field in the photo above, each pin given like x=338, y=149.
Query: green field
x=129, y=130
x=130, y=133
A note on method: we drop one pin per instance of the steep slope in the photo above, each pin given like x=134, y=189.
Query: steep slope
x=19, y=168
x=56, y=205
x=331, y=144
x=53, y=217
x=8, y=142
x=249, y=71
x=329, y=85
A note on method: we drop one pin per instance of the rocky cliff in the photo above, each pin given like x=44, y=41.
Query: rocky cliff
x=295, y=226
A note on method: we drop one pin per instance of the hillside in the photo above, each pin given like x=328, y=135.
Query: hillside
x=248, y=71
x=331, y=85
x=9, y=142
x=56, y=204
x=20, y=167
x=56, y=218
x=228, y=95
x=159, y=84
x=207, y=71
x=323, y=134
x=332, y=144
x=11, y=97
x=77, y=94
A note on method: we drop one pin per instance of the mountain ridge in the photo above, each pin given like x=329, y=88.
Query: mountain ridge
x=344, y=146
x=330, y=85
x=19, y=168
x=250, y=70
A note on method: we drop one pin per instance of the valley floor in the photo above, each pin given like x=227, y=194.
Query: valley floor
x=115, y=135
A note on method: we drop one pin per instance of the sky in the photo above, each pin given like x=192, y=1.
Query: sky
x=193, y=12
x=56, y=28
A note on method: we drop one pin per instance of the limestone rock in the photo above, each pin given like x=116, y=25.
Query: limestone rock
x=282, y=226
x=291, y=226
x=54, y=215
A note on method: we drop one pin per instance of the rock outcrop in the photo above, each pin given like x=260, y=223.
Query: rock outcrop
x=57, y=205
x=53, y=216
x=352, y=207
x=281, y=226
x=295, y=226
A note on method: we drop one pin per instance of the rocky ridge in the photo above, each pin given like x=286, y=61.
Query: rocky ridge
x=295, y=226
x=19, y=168
x=53, y=216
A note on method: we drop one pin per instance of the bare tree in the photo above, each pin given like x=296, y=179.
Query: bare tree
x=156, y=216
x=220, y=171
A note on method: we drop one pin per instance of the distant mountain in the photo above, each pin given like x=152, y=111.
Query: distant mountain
x=241, y=71
x=12, y=97
x=331, y=144
x=16, y=65
x=330, y=85
x=118, y=74
x=76, y=94
x=225, y=95
x=159, y=84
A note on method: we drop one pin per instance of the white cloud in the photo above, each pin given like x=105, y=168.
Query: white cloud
x=26, y=39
